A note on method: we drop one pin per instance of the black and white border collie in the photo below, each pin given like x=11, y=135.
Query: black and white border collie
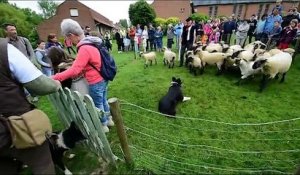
x=167, y=104
x=60, y=142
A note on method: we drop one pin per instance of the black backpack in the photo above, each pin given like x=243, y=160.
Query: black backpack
x=108, y=69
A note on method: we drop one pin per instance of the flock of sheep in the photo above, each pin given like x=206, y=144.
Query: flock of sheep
x=251, y=60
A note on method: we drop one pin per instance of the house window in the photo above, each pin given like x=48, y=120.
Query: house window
x=234, y=8
x=216, y=11
x=240, y=9
x=267, y=8
x=182, y=10
x=210, y=10
x=259, y=10
x=73, y=12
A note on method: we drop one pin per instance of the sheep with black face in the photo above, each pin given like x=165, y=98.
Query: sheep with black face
x=272, y=66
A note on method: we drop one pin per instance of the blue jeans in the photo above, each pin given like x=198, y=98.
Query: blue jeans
x=98, y=92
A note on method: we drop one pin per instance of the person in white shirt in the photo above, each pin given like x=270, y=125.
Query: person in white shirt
x=241, y=33
x=16, y=73
x=145, y=37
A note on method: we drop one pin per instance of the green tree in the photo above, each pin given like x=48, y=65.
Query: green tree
x=25, y=20
x=10, y=14
x=123, y=23
x=199, y=17
x=172, y=20
x=48, y=8
x=160, y=22
x=141, y=13
x=3, y=1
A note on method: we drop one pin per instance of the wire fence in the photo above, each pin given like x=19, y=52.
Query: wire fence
x=165, y=145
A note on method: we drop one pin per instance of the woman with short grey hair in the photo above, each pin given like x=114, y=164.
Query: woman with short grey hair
x=69, y=26
x=87, y=56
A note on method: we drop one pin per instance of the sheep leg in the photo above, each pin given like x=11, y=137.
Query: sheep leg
x=155, y=61
x=164, y=61
x=238, y=83
x=283, y=78
x=263, y=83
x=191, y=68
x=195, y=71
x=219, y=72
x=277, y=77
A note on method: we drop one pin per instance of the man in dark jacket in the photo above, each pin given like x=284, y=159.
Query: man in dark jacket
x=119, y=39
x=229, y=27
x=187, y=39
x=16, y=72
x=151, y=32
x=252, y=23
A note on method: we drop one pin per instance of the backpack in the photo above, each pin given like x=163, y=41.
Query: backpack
x=108, y=69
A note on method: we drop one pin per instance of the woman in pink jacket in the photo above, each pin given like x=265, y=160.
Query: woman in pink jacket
x=87, y=55
x=207, y=29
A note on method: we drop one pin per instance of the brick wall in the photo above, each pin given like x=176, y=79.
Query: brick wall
x=174, y=8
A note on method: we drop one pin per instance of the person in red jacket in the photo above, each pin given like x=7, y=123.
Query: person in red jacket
x=87, y=55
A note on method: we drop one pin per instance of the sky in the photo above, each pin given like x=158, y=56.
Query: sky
x=111, y=9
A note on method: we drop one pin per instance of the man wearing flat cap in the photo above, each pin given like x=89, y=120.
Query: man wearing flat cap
x=188, y=38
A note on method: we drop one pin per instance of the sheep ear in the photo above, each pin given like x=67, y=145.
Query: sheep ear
x=225, y=49
x=173, y=79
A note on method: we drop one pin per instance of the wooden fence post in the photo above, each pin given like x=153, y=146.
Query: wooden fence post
x=117, y=118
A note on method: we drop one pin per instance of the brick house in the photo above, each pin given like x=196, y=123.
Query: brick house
x=244, y=8
x=213, y=8
x=73, y=9
x=174, y=8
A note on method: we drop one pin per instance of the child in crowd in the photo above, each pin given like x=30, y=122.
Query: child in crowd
x=42, y=59
x=215, y=36
x=207, y=31
x=274, y=35
x=288, y=34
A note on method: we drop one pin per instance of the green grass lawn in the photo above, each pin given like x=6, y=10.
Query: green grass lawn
x=192, y=143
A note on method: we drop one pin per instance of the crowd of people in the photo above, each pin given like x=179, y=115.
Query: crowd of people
x=272, y=29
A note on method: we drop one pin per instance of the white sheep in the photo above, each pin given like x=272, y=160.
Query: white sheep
x=243, y=54
x=273, y=52
x=246, y=69
x=255, y=45
x=272, y=66
x=194, y=62
x=151, y=56
x=290, y=51
x=212, y=58
x=169, y=57
x=215, y=47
